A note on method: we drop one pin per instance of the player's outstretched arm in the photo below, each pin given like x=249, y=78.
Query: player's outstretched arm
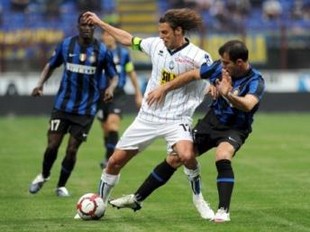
x=120, y=35
x=158, y=95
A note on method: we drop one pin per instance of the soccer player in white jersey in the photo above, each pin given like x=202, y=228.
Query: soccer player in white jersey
x=171, y=54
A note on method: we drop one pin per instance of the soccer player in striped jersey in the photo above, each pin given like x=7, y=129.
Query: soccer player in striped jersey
x=171, y=54
x=82, y=85
x=110, y=113
x=237, y=89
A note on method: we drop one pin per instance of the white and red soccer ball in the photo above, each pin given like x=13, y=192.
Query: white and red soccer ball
x=90, y=206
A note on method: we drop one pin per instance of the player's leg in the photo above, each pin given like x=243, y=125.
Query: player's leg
x=230, y=142
x=110, y=175
x=54, y=138
x=184, y=148
x=225, y=180
x=110, y=117
x=157, y=178
x=67, y=165
x=135, y=139
x=163, y=171
x=111, y=128
x=79, y=129
x=201, y=145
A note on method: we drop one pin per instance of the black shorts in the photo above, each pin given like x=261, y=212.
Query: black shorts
x=209, y=133
x=77, y=125
x=116, y=106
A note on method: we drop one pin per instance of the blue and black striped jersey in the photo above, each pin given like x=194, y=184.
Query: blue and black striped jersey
x=251, y=83
x=123, y=64
x=82, y=80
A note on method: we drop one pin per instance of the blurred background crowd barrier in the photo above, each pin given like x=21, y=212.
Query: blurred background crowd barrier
x=277, y=33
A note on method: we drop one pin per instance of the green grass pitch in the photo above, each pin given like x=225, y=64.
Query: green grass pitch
x=271, y=192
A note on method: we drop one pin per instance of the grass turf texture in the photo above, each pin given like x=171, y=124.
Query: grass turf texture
x=271, y=191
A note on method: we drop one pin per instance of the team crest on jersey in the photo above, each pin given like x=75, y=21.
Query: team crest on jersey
x=116, y=59
x=171, y=65
x=82, y=57
x=92, y=58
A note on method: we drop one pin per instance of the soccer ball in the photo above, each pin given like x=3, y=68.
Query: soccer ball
x=90, y=206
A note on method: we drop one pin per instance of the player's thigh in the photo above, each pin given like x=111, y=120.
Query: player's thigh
x=80, y=126
x=178, y=137
x=138, y=136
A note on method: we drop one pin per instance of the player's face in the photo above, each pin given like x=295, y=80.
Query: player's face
x=167, y=34
x=228, y=64
x=86, y=30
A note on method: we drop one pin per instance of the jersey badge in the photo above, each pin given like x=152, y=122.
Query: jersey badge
x=92, y=58
x=82, y=57
x=171, y=65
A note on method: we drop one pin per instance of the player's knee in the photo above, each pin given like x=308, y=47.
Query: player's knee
x=71, y=152
x=188, y=160
x=174, y=161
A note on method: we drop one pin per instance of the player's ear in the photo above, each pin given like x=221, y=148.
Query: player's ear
x=179, y=31
x=239, y=62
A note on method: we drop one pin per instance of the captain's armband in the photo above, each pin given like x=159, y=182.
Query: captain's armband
x=135, y=43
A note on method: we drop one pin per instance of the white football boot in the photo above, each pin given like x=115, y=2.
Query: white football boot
x=128, y=201
x=203, y=207
x=37, y=183
x=221, y=216
x=62, y=192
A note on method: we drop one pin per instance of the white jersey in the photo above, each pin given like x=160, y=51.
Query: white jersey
x=179, y=104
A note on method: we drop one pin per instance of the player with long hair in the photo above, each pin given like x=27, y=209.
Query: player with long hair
x=171, y=54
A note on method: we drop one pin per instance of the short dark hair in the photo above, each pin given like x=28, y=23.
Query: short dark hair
x=236, y=49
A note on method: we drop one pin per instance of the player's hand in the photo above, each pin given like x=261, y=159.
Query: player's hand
x=37, y=91
x=108, y=95
x=138, y=100
x=224, y=86
x=91, y=18
x=212, y=91
x=156, y=96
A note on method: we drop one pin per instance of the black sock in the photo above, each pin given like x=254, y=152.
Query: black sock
x=67, y=166
x=50, y=156
x=225, y=183
x=160, y=175
x=111, y=141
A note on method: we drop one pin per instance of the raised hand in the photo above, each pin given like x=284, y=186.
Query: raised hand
x=92, y=18
x=224, y=86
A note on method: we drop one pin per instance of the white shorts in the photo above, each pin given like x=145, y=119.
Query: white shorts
x=142, y=133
